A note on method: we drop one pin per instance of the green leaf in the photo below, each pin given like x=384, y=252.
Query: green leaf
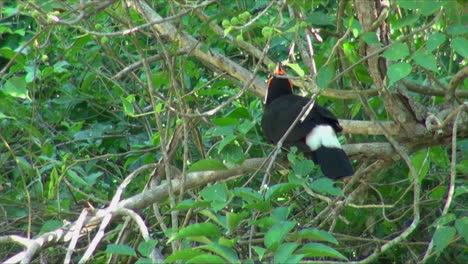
x=144, y=261
x=315, y=234
x=321, y=19
x=260, y=252
x=396, y=52
x=434, y=41
x=457, y=29
x=446, y=219
x=425, y=60
x=128, y=105
x=146, y=247
x=296, y=68
x=421, y=162
x=16, y=87
x=320, y=250
x=280, y=214
x=371, y=39
x=233, y=220
x=191, y=204
x=3, y=116
x=398, y=71
x=278, y=190
x=405, y=21
x=226, y=140
x=206, y=258
x=119, y=249
x=460, y=45
x=284, y=252
x=200, y=229
x=325, y=186
x=207, y=165
x=225, y=121
x=275, y=236
x=76, y=179
x=462, y=227
x=183, y=254
x=226, y=252
x=50, y=225
x=428, y=8
x=60, y=66
x=442, y=237
x=247, y=194
x=409, y=4
x=216, y=192
x=324, y=76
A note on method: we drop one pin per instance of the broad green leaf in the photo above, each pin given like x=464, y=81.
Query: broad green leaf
x=409, y=4
x=462, y=227
x=50, y=225
x=406, y=21
x=144, y=261
x=225, y=121
x=457, y=29
x=234, y=219
x=3, y=116
x=146, y=247
x=183, y=254
x=16, y=87
x=239, y=113
x=296, y=68
x=226, y=252
x=434, y=41
x=275, y=236
x=119, y=249
x=280, y=214
x=207, y=165
x=398, y=71
x=324, y=76
x=128, y=105
x=428, y=8
x=371, y=39
x=218, y=194
x=460, y=45
x=76, y=179
x=426, y=60
x=60, y=66
x=421, y=162
x=191, y=204
x=442, y=237
x=199, y=229
x=321, y=18
x=284, y=252
x=226, y=140
x=260, y=252
x=220, y=131
x=325, y=186
x=206, y=258
x=320, y=250
x=315, y=234
x=397, y=52
x=247, y=194
x=446, y=219
x=277, y=190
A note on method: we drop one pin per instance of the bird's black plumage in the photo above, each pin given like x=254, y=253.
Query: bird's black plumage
x=315, y=135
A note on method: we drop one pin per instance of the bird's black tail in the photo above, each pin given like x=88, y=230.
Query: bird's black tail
x=333, y=161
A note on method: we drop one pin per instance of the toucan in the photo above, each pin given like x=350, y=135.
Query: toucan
x=314, y=134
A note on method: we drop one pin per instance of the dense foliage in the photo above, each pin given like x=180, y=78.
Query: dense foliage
x=164, y=99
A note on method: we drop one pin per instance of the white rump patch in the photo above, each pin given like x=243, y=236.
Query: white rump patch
x=322, y=135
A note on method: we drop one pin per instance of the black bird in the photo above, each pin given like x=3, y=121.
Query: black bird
x=315, y=135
